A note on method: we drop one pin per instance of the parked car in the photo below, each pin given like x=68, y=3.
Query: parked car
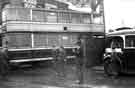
x=119, y=56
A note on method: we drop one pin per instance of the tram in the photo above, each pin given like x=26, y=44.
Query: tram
x=30, y=33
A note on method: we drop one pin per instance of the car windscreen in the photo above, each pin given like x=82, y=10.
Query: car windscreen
x=130, y=41
x=114, y=42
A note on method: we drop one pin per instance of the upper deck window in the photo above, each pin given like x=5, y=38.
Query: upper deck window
x=86, y=18
x=130, y=41
x=21, y=14
x=63, y=17
x=75, y=18
x=49, y=16
x=38, y=15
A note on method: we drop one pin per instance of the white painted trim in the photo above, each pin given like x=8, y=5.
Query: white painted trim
x=13, y=26
x=47, y=23
x=31, y=15
x=32, y=39
x=28, y=60
x=69, y=57
x=37, y=59
x=37, y=48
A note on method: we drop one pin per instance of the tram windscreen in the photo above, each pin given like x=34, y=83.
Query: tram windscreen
x=130, y=41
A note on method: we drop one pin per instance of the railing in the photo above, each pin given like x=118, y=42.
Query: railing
x=50, y=16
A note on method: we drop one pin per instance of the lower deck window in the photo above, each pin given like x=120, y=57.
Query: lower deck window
x=57, y=39
x=19, y=40
x=41, y=40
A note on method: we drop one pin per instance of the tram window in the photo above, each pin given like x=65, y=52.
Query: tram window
x=10, y=14
x=51, y=17
x=60, y=17
x=38, y=16
x=130, y=41
x=53, y=39
x=65, y=40
x=63, y=17
x=74, y=39
x=75, y=18
x=98, y=19
x=86, y=18
x=40, y=40
x=19, y=40
x=23, y=14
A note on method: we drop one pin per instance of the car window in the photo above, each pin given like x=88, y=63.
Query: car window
x=130, y=41
x=116, y=44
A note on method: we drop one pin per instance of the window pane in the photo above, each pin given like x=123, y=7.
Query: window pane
x=130, y=41
x=98, y=18
x=75, y=18
x=40, y=40
x=19, y=40
x=10, y=14
x=74, y=39
x=65, y=40
x=23, y=14
x=57, y=39
x=51, y=17
x=63, y=17
x=53, y=39
x=86, y=19
x=38, y=16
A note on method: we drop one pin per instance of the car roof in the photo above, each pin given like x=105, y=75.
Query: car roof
x=121, y=32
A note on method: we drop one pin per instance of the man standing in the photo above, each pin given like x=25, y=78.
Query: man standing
x=4, y=65
x=80, y=59
x=61, y=61
x=55, y=56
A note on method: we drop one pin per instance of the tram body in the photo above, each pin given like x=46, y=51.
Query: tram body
x=30, y=33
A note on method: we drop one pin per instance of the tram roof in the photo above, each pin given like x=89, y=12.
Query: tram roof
x=53, y=10
x=122, y=32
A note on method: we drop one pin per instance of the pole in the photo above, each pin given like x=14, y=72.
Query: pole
x=104, y=17
x=82, y=67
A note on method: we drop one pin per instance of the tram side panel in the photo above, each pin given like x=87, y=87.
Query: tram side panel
x=20, y=51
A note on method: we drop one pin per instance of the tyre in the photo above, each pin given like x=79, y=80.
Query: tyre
x=111, y=68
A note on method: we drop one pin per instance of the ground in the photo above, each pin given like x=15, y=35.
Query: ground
x=46, y=77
